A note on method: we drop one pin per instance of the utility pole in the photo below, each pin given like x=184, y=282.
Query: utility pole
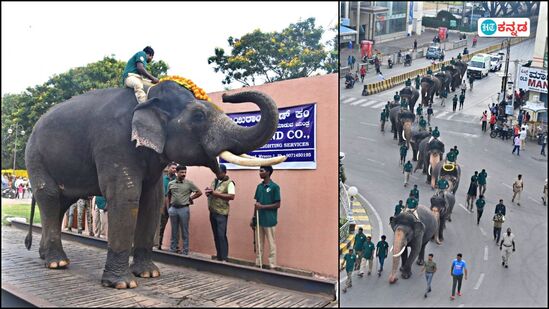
x=504, y=79
x=515, y=81
x=358, y=24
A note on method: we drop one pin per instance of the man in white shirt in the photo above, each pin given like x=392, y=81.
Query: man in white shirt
x=522, y=136
x=507, y=242
x=516, y=143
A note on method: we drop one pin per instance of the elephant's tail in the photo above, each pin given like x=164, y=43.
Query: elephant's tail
x=28, y=239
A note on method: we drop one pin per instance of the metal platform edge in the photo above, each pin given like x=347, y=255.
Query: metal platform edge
x=253, y=274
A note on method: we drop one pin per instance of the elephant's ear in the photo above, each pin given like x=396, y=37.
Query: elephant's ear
x=148, y=124
x=419, y=227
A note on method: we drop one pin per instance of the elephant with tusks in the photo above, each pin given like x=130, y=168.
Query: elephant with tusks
x=401, y=122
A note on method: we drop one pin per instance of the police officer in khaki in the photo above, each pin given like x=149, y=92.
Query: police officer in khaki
x=136, y=75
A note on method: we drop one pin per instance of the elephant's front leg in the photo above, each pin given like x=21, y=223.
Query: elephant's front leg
x=122, y=202
x=147, y=221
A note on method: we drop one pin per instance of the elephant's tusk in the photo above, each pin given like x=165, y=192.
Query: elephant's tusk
x=400, y=253
x=429, y=170
x=246, y=160
x=403, y=136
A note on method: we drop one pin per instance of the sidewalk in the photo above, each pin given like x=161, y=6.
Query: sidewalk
x=362, y=220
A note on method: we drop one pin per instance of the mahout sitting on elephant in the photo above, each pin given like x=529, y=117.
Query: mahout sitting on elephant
x=445, y=80
x=104, y=143
x=415, y=140
x=410, y=233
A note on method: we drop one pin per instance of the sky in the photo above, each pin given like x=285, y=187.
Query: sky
x=42, y=39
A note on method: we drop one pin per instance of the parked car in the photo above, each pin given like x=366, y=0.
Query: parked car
x=496, y=61
x=434, y=52
x=479, y=66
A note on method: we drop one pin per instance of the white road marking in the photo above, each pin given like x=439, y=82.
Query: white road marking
x=367, y=138
x=508, y=186
x=369, y=124
x=369, y=103
x=442, y=114
x=467, y=210
x=357, y=102
x=347, y=100
x=379, y=105
x=451, y=116
x=375, y=161
x=479, y=282
x=483, y=232
x=463, y=134
x=535, y=201
x=486, y=253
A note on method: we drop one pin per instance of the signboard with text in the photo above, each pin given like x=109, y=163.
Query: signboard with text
x=537, y=80
x=504, y=27
x=295, y=137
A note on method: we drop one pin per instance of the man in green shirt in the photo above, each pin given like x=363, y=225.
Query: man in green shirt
x=436, y=132
x=368, y=254
x=382, y=119
x=454, y=102
x=461, y=100
x=411, y=206
x=382, y=250
x=349, y=260
x=480, y=207
x=429, y=71
x=222, y=191
x=267, y=196
x=137, y=77
x=418, y=81
x=179, y=196
x=360, y=238
x=430, y=267
x=422, y=124
x=442, y=184
x=408, y=82
x=398, y=208
x=403, y=152
x=415, y=192
x=482, y=182
x=459, y=56
x=403, y=104
x=452, y=61
x=419, y=110
x=396, y=97
x=407, y=169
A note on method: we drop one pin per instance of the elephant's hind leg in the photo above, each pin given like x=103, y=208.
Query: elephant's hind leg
x=48, y=198
x=147, y=222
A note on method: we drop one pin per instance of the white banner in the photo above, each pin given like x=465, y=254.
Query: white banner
x=537, y=80
x=504, y=27
x=523, y=78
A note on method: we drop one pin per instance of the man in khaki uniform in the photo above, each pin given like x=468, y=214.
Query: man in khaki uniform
x=136, y=75
x=518, y=186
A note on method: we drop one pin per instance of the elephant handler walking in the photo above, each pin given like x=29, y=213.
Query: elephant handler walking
x=382, y=250
x=368, y=255
x=507, y=241
x=360, y=239
x=407, y=169
x=136, y=75
x=480, y=207
x=459, y=267
x=349, y=261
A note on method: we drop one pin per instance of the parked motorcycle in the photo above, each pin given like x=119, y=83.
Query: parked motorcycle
x=390, y=64
x=9, y=193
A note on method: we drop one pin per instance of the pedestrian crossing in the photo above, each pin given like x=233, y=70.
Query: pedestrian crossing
x=447, y=114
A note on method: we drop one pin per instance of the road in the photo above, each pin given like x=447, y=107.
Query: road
x=371, y=164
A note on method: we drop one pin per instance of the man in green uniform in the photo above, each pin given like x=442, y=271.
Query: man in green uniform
x=407, y=169
x=368, y=253
x=349, y=260
x=419, y=110
x=382, y=250
x=480, y=207
x=415, y=192
x=404, y=104
x=452, y=61
x=179, y=197
x=429, y=113
x=429, y=71
x=411, y=206
x=459, y=56
x=482, y=182
x=267, y=196
x=221, y=192
x=408, y=82
x=403, y=152
x=136, y=76
x=396, y=97
x=382, y=119
x=360, y=238
x=461, y=100
x=436, y=132
x=422, y=124
x=455, y=102
x=456, y=153
x=451, y=156
x=418, y=82
x=398, y=208
x=442, y=185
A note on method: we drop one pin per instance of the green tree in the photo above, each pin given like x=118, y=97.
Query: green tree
x=26, y=108
x=294, y=52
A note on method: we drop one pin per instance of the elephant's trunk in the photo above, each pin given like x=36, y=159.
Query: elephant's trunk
x=436, y=212
x=434, y=158
x=399, y=245
x=236, y=139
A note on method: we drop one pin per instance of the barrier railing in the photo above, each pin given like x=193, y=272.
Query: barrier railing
x=394, y=81
x=345, y=206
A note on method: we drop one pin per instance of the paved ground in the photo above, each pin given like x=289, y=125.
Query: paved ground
x=371, y=164
x=79, y=284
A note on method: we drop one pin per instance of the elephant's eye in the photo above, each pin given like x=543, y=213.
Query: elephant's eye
x=199, y=116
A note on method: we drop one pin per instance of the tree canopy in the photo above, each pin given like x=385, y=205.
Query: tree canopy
x=259, y=56
x=25, y=108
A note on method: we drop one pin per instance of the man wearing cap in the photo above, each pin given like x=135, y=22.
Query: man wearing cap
x=267, y=196
x=222, y=191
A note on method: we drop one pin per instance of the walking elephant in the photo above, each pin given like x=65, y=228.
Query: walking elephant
x=445, y=80
x=455, y=80
x=431, y=151
x=401, y=121
x=442, y=205
x=413, y=234
x=411, y=95
x=415, y=140
x=429, y=86
x=462, y=67
x=104, y=143
x=449, y=171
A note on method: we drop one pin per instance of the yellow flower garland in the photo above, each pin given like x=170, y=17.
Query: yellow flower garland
x=198, y=92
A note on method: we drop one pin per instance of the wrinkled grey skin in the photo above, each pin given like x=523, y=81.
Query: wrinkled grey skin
x=431, y=151
x=417, y=137
x=430, y=85
x=401, y=122
x=453, y=178
x=411, y=94
x=83, y=147
x=455, y=74
x=462, y=67
x=445, y=80
x=442, y=206
x=411, y=234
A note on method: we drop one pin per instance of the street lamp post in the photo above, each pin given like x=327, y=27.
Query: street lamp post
x=10, y=130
